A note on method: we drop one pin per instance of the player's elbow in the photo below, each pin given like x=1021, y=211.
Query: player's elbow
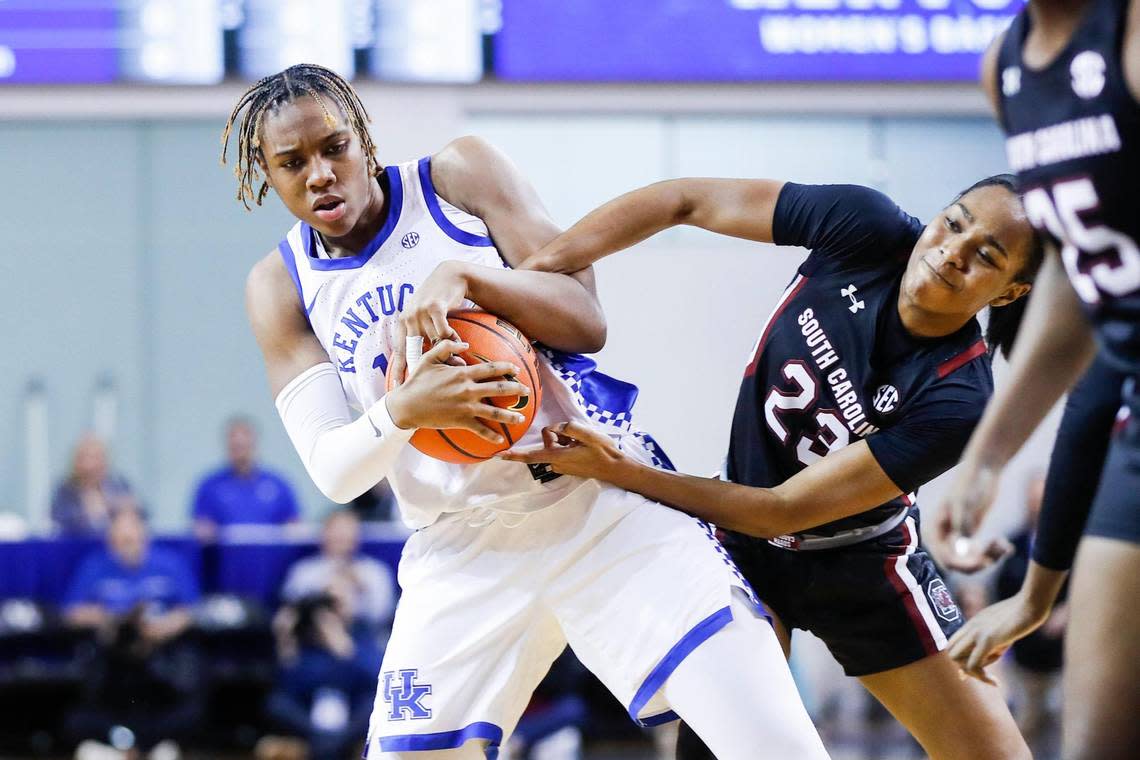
x=681, y=201
x=338, y=490
x=594, y=330
x=770, y=516
x=585, y=331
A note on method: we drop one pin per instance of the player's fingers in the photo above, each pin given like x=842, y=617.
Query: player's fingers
x=942, y=522
x=480, y=428
x=439, y=329
x=993, y=656
x=397, y=368
x=497, y=414
x=979, y=674
x=977, y=658
x=961, y=523
x=397, y=365
x=444, y=350
x=487, y=370
x=527, y=454
x=584, y=433
x=549, y=437
x=973, y=665
x=411, y=324
x=960, y=644
x=497, y=388
x=998, y=549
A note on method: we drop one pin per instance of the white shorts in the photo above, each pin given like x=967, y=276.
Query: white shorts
x=631, y=585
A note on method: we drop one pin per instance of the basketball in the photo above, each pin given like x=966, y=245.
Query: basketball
x=489, y=339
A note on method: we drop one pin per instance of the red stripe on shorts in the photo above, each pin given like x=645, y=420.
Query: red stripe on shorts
x=929, y=645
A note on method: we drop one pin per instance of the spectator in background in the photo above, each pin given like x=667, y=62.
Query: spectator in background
x=138, y=599
x=368, y=581
x=1036, y=659
x=338, y=607
x=241, y=492
x=83, y=502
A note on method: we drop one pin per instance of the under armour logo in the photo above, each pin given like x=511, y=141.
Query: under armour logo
x=405, y=696
x=856, y=304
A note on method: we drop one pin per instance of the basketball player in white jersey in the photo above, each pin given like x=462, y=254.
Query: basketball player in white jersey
x=508, y=563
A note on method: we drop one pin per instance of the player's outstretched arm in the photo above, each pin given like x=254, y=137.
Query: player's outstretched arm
x=343, y=456
x=844, y=483
x=1074, y=467
x=560, y=311
x=742, y=208
x=1055, y=346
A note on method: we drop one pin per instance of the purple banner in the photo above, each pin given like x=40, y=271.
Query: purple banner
x=747, y=40
x=59, y=41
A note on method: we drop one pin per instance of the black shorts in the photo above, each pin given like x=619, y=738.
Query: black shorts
x=879, y=604
x=1115, y=512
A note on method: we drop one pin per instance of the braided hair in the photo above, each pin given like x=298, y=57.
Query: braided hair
x=271, y=93
x=1003, y=322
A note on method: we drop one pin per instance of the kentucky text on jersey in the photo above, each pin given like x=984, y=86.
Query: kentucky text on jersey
x=1089, y=136
x=841, y=388
x=389, y=299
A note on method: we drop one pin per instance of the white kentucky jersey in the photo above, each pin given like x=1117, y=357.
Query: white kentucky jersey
x=353, y=304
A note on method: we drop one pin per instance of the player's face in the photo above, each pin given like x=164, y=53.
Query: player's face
x=970, y=254
x=316, y=165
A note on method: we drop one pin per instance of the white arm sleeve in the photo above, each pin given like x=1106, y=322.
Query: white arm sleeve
x=343, y=457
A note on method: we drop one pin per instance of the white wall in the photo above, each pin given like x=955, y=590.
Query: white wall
x=126, y=253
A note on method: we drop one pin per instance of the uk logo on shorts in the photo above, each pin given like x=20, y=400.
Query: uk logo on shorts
x=404, y=696
x=943, y=603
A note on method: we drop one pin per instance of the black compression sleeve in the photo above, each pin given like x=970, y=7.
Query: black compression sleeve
x=1076, y=463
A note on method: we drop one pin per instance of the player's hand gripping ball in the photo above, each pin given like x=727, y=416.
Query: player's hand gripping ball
x=489, y=339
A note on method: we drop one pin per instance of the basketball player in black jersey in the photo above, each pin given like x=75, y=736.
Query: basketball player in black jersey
x=1065, y=84
x=866, y=382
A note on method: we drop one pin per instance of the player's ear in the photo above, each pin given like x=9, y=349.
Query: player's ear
x=1013, y=291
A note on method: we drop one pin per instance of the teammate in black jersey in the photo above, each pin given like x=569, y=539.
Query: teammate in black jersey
x=866, y=382
x=1065, y=83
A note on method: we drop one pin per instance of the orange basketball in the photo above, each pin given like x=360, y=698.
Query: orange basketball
x=489, y=339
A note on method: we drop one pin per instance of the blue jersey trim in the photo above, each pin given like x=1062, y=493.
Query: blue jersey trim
x=660, y=458
x=446, y=739
x=657, y=677
x=286, y=252
x=395, y=205
x=608, y=400
x=449, y=229
x=659, y=720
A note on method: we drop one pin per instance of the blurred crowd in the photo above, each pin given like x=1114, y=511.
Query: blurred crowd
x=157, y=663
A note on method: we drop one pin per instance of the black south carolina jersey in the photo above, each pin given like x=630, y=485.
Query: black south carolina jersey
x=1073, y=137
x=834, y=363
